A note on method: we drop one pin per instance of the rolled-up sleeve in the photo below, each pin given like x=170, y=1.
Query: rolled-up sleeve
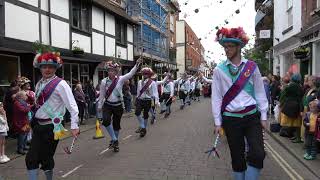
x=216, y=99
x=102, y=94
x=70, y=103
x=260, y=94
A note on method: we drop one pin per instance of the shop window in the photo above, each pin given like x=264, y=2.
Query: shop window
x=71, y=74
x=9, y=71
x=84, y=73
x=318, y=3
x=81, y=15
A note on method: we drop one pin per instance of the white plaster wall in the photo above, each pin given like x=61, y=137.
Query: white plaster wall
x=129, y=33
x=181, y=59
x=110, y=46
x=281, y=19
x=121, y=52
x=316, y=59
x=83, y=41
x=110, y=24
x=45, y=29
x=21, y=23
x=97, y=19
x=60, y=8
x=31, y=2
x=60, y=34
x=97, y=43
x=180, y=32
x=130, y=52
x=45, y=5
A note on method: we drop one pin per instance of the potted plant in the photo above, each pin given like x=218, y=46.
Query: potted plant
x=77, y=51
x=301, y=52
x=38, y=47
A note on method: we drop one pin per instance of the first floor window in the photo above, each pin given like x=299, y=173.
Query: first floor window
x=80, y=14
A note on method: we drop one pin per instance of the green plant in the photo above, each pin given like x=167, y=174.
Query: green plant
x=38, y=47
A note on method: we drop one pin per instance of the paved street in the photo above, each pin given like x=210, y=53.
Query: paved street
x=173, y=149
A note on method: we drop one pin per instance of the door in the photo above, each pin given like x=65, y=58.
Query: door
x=71, y=74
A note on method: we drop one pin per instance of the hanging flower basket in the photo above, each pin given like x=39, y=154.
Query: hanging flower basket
x=301, y=52
x=77, y=51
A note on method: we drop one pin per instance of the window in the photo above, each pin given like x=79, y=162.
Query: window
x=80, y=15
x=171, y=23
x=318, y=3
x=289, y=4
x=84, y=73
x=121, y=32
x=289, y=13
x=9, y=70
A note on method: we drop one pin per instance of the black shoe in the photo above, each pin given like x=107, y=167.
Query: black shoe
x=181, y=107
x=166, y=115
x=152, y=120
x=115, y=146
x=138, y=130
x=143, y=132
x=21, y=152
x=163, y=111
x=26, y=148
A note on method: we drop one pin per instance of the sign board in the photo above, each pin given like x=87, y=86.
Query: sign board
x=265, y=34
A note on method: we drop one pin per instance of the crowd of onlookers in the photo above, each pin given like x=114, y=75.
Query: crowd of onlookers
x=295, y=104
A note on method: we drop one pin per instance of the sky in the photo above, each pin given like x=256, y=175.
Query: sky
x=212, y=13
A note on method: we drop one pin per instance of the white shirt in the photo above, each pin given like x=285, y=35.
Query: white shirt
x=116, y=95
x=168, y=87
x=198, y=84
x=60, y=99
x=242, y=100
x=183, y=85
x=150, y=93
x=192, y=85
x=207, y=80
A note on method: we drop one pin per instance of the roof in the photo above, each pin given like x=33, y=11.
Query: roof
x=115, y=10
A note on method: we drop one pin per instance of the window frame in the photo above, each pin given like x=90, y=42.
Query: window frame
x=89, y=7
x=123, y=39
x=318, y=3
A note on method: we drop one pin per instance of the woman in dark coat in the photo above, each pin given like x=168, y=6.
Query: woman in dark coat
x=80, y=98
x=292, y=106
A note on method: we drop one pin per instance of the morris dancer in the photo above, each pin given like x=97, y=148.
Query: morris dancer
x=197, y=89
x=184, y=88
x=111, y=100
x=147, y=90
x=53, y=95
x=192, y=88
x=167, y=96
x=239, y=105
x=153, y=105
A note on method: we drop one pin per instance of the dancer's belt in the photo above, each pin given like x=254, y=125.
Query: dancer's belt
x=113, y=103
x=44, y=121
x=244, y=111
x=145, y=99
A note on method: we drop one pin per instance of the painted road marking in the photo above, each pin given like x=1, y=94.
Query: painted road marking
x=127, y=137
x=104, y=151
x=284, y=164
x=73, y=170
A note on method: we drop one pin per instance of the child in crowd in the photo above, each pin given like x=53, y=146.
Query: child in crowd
x=4, y=128
x=21, y=122
x=311, y=123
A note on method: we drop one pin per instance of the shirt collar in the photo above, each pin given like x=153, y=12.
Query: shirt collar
x=47, y=80
x=243, y=60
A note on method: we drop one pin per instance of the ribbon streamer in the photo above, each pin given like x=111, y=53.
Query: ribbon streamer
x=214, y=148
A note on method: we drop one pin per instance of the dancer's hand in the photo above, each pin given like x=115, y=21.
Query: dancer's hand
x=75, y=132
x=218, y=129
x=139, y=61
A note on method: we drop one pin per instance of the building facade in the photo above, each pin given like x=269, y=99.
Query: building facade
x=152, y=35
x=189, y=54
x=98, y=29
x=310, y=37
x=287, y=25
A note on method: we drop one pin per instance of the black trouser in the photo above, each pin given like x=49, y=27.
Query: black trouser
x=81, y=107
x=166, y=98
x=112, y=114
x=197, y=92
x=143, y=105
x=236, y=130
x=182, y=96
x=42, y=149
x=311, y=144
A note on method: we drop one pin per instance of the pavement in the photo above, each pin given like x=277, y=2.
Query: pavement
x=172, y=149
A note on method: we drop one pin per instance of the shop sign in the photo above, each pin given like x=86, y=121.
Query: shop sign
x=310, y=36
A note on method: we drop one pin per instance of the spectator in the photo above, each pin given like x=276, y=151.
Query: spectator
x=4, y=128
x=8, y=104
x=81, y=101
x=21, y=120
x=306, y=86
x=127, y=98
x=266, y=84
x=291, y=106
x=91, y=97
x=311, y=123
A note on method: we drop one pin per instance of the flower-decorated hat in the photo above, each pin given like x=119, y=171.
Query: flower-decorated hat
x=23, y=80
x=147, y=71
x=48, y=58
x=233, y=35
x=112, y=65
